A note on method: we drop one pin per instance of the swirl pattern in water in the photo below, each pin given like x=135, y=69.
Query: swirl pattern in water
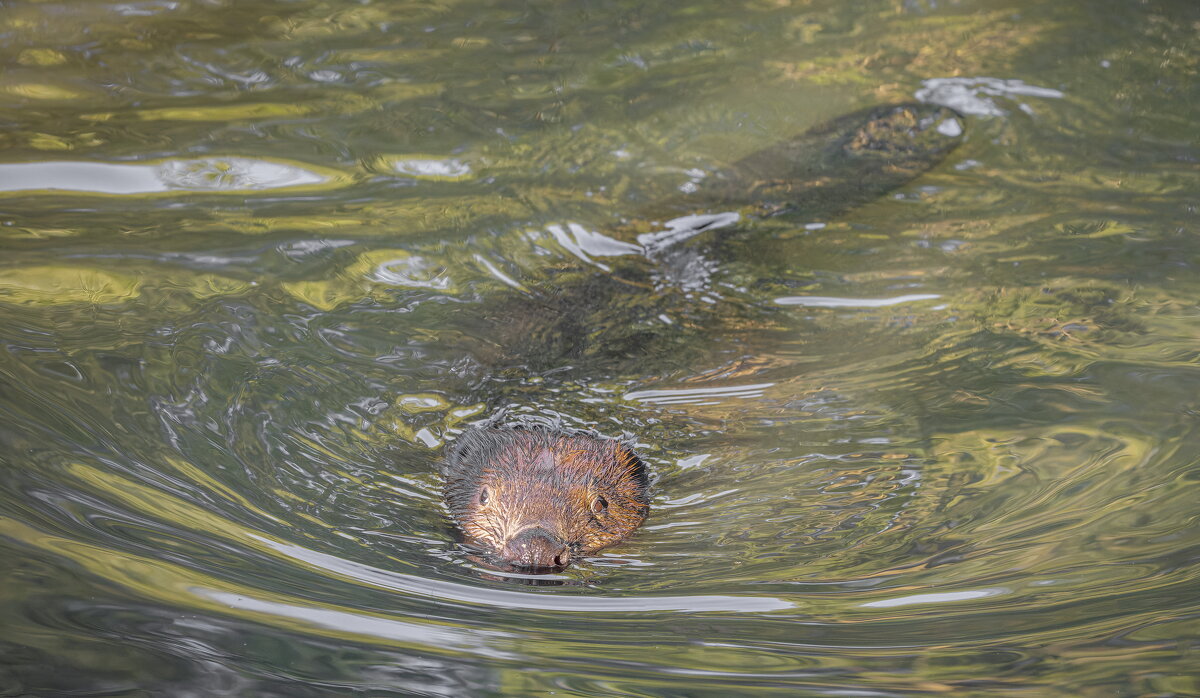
x=920, y=414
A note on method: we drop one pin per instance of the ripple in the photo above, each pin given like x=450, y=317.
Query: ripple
x=450, y=591
x=446, y=169
x=411, y=271
x=967, y=95
x=936, y=598
x=474, y=640
x=684, y=227
x=584, y=244
x=672, y=396
x=834, y=302
x=225, y=175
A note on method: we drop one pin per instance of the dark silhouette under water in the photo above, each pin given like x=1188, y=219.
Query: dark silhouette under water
x=532, y=497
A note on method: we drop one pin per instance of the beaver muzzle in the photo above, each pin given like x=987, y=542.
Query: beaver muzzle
x=536, y=550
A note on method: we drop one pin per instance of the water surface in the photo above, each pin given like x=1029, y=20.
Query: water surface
x=255, y=256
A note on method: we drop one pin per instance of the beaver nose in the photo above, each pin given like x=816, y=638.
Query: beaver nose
x=537, y=549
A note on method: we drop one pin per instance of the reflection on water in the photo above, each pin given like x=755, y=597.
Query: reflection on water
x=947, y=597
x=500, y=598
x=264, y=261
x=227, y=174
x=973, y=95
x=695, y=395
x=432, y=168
x=830, y=302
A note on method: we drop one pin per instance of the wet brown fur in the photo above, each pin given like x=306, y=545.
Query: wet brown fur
x=584, y=490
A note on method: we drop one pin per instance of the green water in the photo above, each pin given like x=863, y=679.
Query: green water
x=254, y=259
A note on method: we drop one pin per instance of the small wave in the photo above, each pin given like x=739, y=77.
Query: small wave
x=835, y=302
x=235, y=174
x=973, y=95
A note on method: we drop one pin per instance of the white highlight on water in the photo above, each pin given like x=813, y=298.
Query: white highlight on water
x=973, y=95
x=833, y=302
x=207, y=174
x=940, y=597
x=449, y=168
x=677, y=396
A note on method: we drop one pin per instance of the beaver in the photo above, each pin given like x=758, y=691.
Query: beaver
x=531, y=496
x=535, y=496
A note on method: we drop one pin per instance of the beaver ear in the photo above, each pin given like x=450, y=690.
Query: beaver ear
x=472, y=448
x=635, y=468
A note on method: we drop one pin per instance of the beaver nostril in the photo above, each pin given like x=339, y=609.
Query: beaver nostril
x=537, y=549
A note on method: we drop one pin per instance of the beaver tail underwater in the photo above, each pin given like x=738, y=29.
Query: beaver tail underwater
x=533, y=497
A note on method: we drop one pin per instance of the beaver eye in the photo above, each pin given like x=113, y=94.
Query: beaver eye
x=483, y=496
x=599, y=505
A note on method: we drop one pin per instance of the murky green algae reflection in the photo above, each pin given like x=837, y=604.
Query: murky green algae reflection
x=942, y=443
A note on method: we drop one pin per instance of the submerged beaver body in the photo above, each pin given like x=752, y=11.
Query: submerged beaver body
x=606, y=313
x=533, y=497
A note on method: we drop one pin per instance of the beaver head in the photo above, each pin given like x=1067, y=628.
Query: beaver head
x=534, y=497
